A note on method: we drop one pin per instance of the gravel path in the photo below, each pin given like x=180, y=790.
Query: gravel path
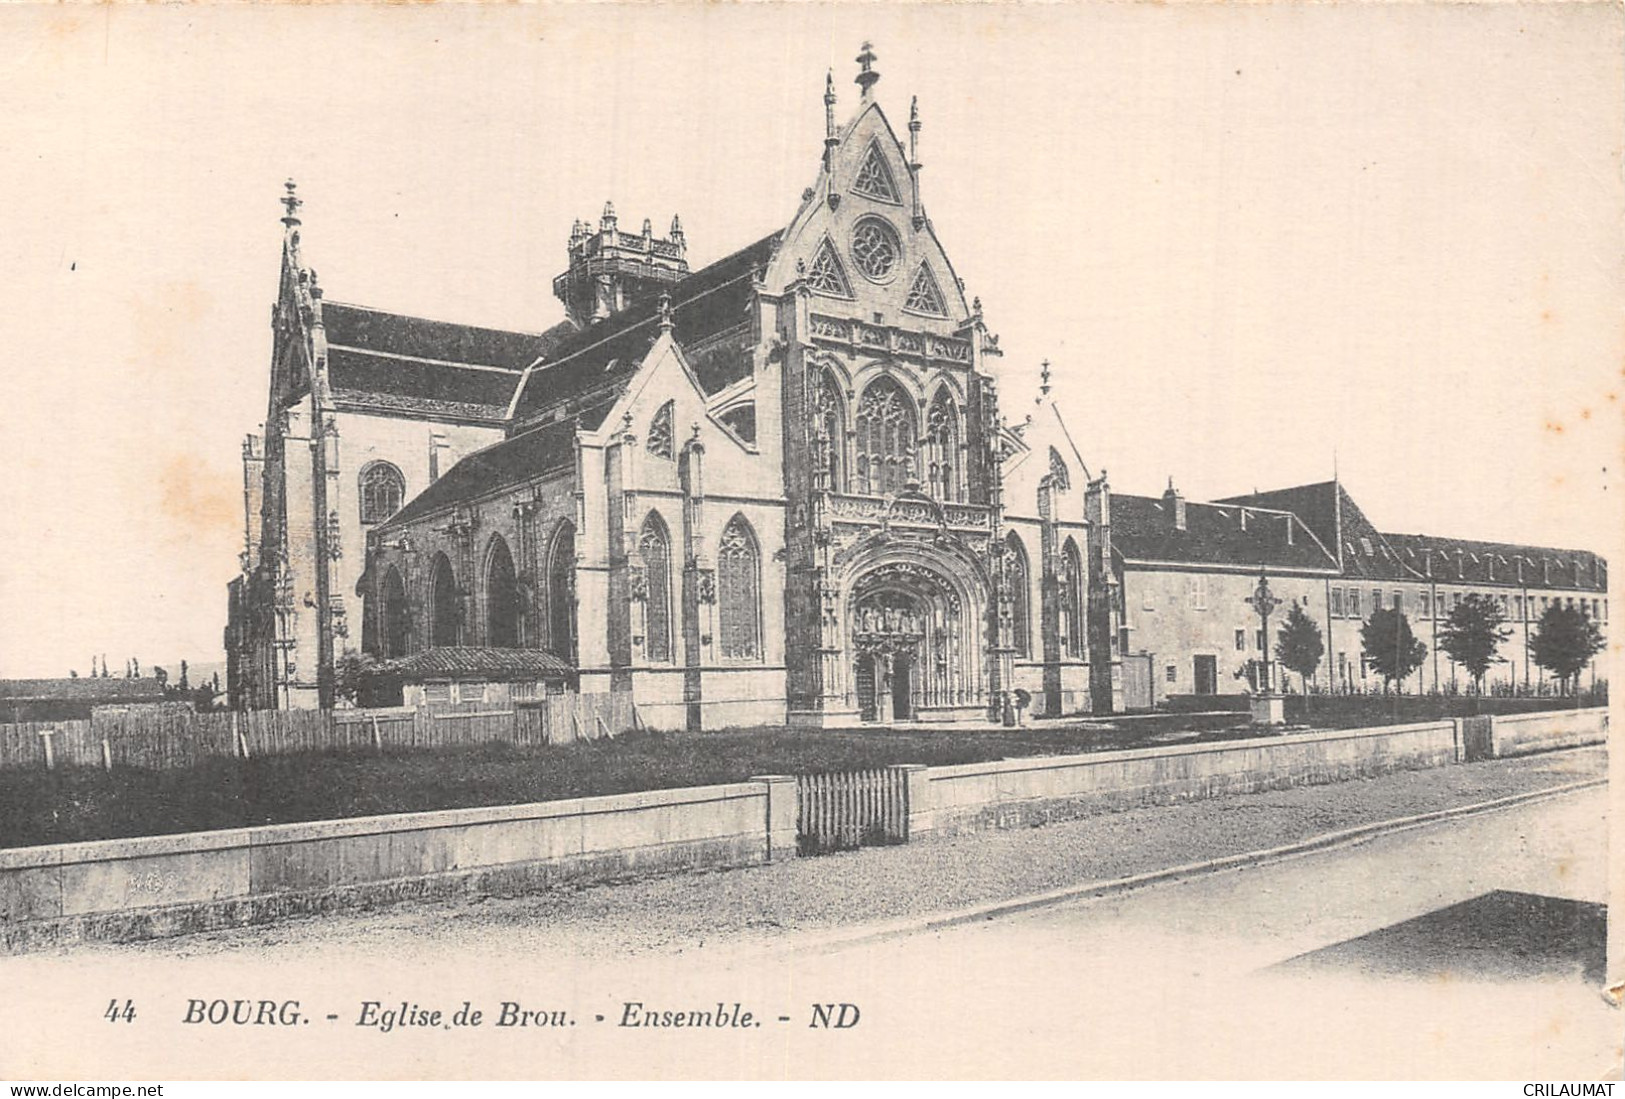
x=751, y=907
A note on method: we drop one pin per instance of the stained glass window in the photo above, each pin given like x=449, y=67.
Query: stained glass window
x=654, y=546
x=739, y=592
x=926, y=296
x=942, y=436
x=382, y=489
x=1072, y=604
x=874, y=177
x=825, y=275
x=660, y=432
x=561, y=565
x=446, y=602
x=501, y=598
x=886, y=438
x=875, y=249
x=1015, y=571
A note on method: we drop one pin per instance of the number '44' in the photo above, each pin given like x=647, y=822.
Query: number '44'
x=117, y=1014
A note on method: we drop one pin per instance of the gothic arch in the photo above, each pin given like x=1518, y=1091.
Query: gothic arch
x=1072, y=593
x=944, y=475
x=381, y=490
x=561, y=586
x=828, y=412
x=501, y=590
x=1018, y=577
x=392, y=614
x=739, y=591
x=654, y=552
x=887, y=426
x=445, y=605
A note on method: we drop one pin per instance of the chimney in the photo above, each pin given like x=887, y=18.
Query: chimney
x=1175, y=504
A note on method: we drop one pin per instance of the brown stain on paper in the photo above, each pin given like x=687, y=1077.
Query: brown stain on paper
x=193, y=502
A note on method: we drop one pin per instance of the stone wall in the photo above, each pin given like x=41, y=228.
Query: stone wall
x=1520, y=734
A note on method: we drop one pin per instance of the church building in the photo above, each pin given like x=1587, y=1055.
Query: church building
x=774, y=489
x=779, y=488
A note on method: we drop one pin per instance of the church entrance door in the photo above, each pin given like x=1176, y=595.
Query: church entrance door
x=867, y=710
x=902, y=680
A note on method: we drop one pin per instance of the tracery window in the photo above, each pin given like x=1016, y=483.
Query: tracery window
x=886, y=438
x=925, y=296
x=654, y=547
x=382, y=491
x=1072, y=597
x=942, y=437
x=829, y=422
x=393, y=595
x=875, y=248
x=739, y=592
x=1015, y=571
x=446, y=605
x=874, y=178
x=1059, y=477
x=826, y=274
x=501, y=597
x=561, y=566
x=660, y=443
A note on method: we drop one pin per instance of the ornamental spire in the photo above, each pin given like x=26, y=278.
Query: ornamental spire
x=829, y=118
x=1043, y=388
x=867, y=76
x=291, y=202
x=914, y=157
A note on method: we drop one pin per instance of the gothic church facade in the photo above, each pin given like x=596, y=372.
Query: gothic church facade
x=774, y=489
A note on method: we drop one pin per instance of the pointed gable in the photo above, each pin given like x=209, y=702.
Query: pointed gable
x=925, y=296
x=874, y=179
x=826, y=275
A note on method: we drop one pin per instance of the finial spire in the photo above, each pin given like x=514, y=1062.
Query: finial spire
x=914, y=157
x=1043, y=374
x=829, y=118
x=291, y=202
x=608, y=219
x=867, y=76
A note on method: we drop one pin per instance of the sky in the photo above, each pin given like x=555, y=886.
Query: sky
x=1254, y=241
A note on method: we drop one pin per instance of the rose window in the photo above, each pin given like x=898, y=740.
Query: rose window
x=875, y=249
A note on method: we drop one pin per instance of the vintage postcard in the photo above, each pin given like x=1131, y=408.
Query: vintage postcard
x=801, y=541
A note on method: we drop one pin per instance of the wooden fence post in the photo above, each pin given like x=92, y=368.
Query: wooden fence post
x=45, y=736
x=107, y=754
x=377, y=741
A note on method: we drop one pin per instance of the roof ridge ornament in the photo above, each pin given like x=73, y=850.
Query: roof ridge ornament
x=291, y=202
x=867, y=77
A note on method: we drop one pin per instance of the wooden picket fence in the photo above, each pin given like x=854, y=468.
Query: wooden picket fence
x=165, y=738
x=840, y=811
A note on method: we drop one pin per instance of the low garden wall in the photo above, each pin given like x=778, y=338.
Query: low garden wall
x=1520, y=734
x=971, y=797
x=155, y=886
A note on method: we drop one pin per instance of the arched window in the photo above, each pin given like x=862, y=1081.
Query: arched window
x=654, y=547
x=1015, y=571
x=392, y=596
x=1072, y=597
x=942, y=433
x=660, y=441
x=886, y=438
x=383, y=490
x=739, y=592
x=501, y=597
x=1058, y=474
x=561, y=573
x=446, y=606
x=829, y=421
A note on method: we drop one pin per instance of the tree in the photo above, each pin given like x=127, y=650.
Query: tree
x=1564, y=641
x=1472, y=635
x=1299, y=646
x=73, y=673
x=162, y=676
x=183, y=683
x=1390, y=647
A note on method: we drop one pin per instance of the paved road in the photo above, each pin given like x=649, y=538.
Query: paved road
x=1281, y=970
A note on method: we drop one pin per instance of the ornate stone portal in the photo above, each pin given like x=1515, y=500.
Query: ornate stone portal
x=913, y=644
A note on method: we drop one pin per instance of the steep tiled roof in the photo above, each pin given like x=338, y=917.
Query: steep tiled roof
x=396, y=363
x=480, y=663
x=90, y=689
x=593, y=365
x=415, y=337
x=1372, y=554
x=1143, y=530
x=509, y=462
x=1463, y=561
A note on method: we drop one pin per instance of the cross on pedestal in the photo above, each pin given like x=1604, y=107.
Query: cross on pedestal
x=1264, y=602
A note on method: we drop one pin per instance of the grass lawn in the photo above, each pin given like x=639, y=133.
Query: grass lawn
x=83, y=803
